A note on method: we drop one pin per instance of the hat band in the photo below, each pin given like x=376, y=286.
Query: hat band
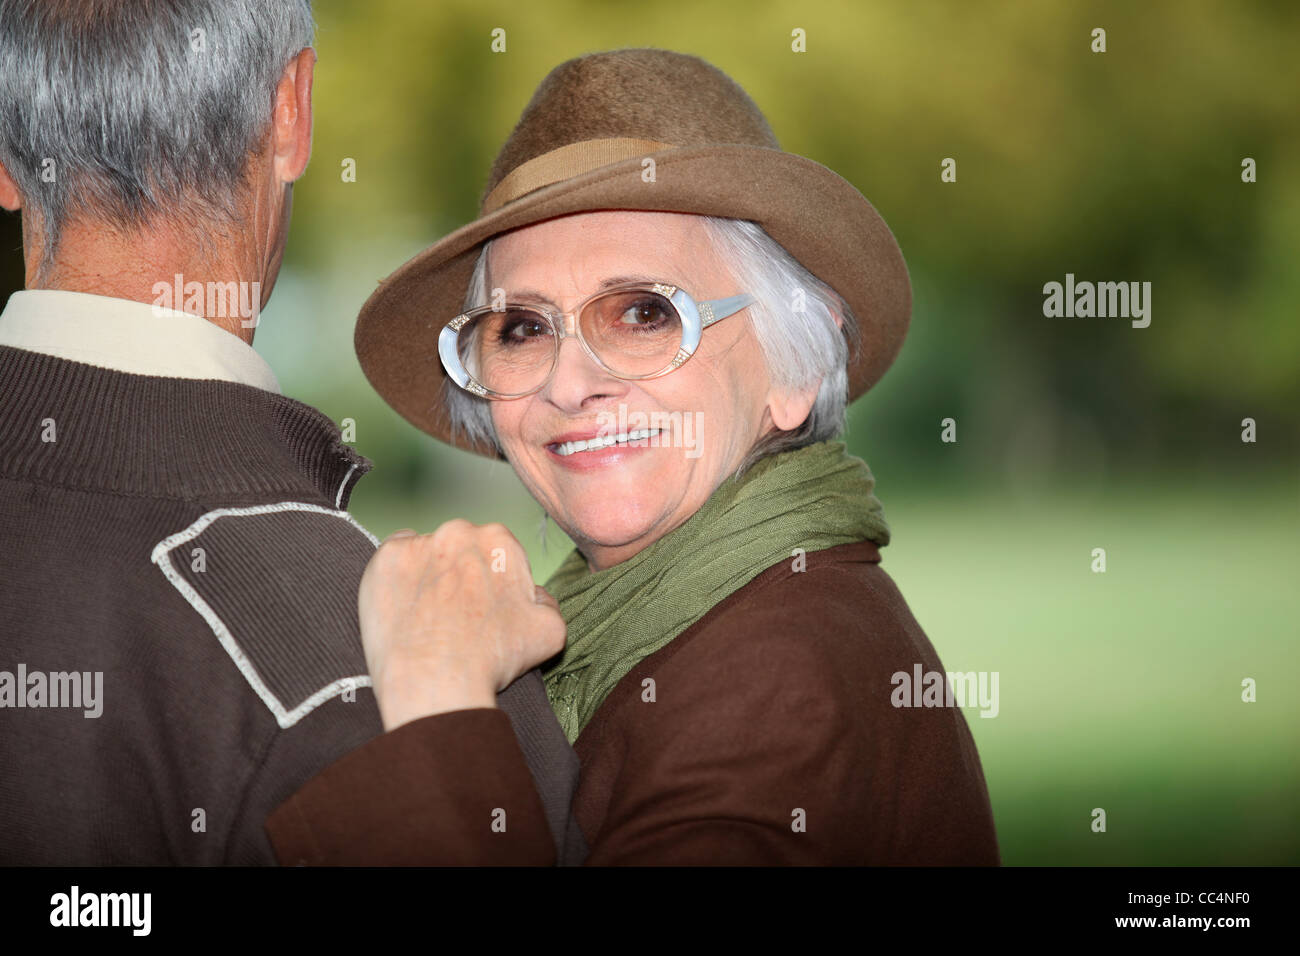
x=564, y=163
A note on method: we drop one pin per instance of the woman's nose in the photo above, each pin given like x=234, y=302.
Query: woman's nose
x=578, y=379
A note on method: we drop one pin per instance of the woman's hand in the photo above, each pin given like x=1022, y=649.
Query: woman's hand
x=448, y=619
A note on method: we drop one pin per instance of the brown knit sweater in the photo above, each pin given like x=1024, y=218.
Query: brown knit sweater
x=179, y=647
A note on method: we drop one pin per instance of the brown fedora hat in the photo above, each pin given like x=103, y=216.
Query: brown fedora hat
x=580, y=146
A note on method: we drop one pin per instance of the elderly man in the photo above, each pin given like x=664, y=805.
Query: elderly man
x=178, y=628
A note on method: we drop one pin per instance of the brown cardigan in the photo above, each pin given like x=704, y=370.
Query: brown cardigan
x=178, y=552
x=771, y=738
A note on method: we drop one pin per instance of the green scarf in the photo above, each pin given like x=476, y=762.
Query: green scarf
x=810, y=498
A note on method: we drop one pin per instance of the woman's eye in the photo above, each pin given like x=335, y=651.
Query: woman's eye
x=525, y=327
x=642, y=313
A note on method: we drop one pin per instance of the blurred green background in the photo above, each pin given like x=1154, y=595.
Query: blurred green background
x=1119, y=690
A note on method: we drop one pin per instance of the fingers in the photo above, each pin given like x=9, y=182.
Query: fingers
x=508, y=557
x=553, y=631
x=543, y=596
x=541, y=636
x=461, y=598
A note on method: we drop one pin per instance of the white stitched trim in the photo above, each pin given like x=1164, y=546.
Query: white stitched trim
x=162, y=557
x=338, y=499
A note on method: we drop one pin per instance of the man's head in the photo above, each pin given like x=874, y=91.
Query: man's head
x=182, y=117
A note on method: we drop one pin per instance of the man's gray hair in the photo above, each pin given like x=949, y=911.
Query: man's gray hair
x=793, y=319
x=119, y=110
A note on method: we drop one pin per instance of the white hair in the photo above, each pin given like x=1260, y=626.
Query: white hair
x=123, y=109
x=793, y=318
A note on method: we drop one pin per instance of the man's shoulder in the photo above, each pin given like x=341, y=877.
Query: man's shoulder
x=276, y=584
x=319, y=540
x=267, y=589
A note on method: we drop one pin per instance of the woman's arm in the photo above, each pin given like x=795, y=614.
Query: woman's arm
x=447, y=790
x=771, y=739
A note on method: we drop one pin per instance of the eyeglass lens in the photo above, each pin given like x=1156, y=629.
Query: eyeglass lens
x=633, y=332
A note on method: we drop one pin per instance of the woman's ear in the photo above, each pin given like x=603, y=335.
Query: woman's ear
x=10, y=198
x=789, y=410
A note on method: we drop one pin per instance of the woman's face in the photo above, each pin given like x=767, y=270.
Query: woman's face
x=618, y=499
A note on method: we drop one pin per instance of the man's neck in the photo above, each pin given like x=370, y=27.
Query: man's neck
x=160, y=268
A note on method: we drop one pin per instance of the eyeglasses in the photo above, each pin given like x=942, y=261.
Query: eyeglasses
x=635, y=331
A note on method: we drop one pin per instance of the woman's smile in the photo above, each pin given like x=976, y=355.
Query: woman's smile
x=597, y=446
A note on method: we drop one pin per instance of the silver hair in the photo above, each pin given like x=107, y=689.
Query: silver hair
x=793, y=319
x=121, y=110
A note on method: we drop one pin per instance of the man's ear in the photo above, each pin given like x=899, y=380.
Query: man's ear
x=10, y=197
x=291, y=117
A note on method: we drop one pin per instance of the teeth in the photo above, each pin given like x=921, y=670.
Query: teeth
x=603, y=441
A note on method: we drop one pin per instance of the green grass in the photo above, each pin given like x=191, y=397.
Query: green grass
x=1123, y=690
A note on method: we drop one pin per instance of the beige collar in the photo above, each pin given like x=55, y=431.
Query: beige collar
x=128, y=336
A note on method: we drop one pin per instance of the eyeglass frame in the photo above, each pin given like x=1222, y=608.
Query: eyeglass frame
x=695, y=317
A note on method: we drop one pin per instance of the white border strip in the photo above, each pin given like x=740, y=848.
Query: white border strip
x=162, y=557
x=338, y=499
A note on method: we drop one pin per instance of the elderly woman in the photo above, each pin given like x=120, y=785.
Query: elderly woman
x=658, y=321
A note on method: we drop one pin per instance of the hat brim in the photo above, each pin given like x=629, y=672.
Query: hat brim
x=817, y=216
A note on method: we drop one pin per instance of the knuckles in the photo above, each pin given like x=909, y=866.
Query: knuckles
x=495, y=531
x=451, y=571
